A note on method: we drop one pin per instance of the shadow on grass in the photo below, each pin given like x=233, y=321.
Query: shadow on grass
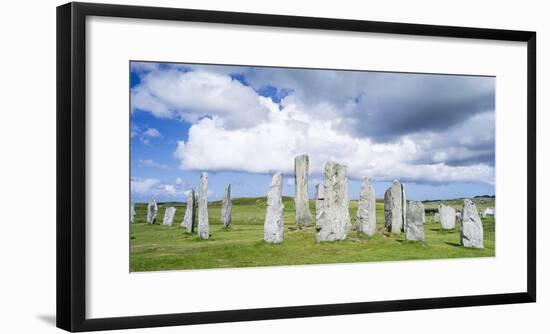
x=454, y=244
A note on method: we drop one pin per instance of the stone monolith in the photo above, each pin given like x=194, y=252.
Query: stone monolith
x=274, y=219
x=414, y=226
x=301, y=198
x=335, y=222
x=471, y=229
x=132, y=213
x=395, y=207
x=203, y=227
x=152, y=210
x=169, y=214
x=226, y=207
x=447, y=217
x=366, y=209
x=189, y=217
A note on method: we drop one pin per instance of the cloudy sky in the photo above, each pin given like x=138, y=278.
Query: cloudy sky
x=435, y=133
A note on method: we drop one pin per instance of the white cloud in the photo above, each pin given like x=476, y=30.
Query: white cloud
x=179, y=181
x=143, y=187
x=271, y=146
x=206, y=94
x=151, y=133
x=152, y=164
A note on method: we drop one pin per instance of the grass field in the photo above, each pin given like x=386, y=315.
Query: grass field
x=157, y=247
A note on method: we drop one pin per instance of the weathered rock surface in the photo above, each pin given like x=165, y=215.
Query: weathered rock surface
x=189, y=218
x=226, y=207
x=395, y=207
x=132, y=213
x=169, y=214
x=366, y=209
x=335, y=222
x=414, y=226
x=301, y=198
x=274, y=218
x=471, y=234
x=447, y=217
x=319, y=201
x=152, y=210
x=203, y=227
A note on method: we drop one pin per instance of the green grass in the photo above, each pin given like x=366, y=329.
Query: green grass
x=157, y=247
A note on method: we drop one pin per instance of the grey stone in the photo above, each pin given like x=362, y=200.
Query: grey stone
x=169, y=214
x=203, y=227
x=395, y=207
x=436, y=217
x=471, y=231
x=190, y=211
x=414, y=226
x=132, y=213
x=152, y=210
x=226, y=207
x=488, y=212
x=301, y=198
x=335, y=221
x=447, y=217
x=319, y=201
x=366, y=209
x=274, y=217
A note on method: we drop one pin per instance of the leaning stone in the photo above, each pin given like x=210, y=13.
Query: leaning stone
x=226, y=207
x=414, y=227
x=189, y=217
x=366, y=209
x=395, y=207
x=335, y=222
x=132, y=213
x=301, y=198
x=447, y=217
x=169, y=214
x=319, y=201
x=274, y=218
x=471, y=234
x=203, y=227
x=152, y=210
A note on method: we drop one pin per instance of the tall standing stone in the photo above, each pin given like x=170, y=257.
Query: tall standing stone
x=319, y=201
x=447, y=217
x=274, y=218
x=226, y=207
x=414, y=226
x=189, y=217
x=203, y=228
x=132, y=213
x=335, y=222
x=366, y=209
x=169, y=214
x=152, y=210
x=471, y=232
x=301, y=198
x=395, y=207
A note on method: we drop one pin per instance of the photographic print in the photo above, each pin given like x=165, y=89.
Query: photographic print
x=249, y=166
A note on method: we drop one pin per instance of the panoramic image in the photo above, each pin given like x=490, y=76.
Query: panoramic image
x=251, y=166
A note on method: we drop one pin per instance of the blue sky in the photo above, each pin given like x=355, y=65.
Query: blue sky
x=241, y=124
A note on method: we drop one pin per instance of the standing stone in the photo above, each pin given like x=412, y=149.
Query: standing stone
x=189, y=217
x=203, y=228
x=319, y=201
x=335, y=222
x=132, y=213
x=395, y=207
x=301, y=199
x=488, y=212
x=274, y=219
x=366, y=209
x=447, y=217
x=414, y=227
x=226, y=207
x=471, y=234
x=436, y=217
x=152, y=210
x=169, y=214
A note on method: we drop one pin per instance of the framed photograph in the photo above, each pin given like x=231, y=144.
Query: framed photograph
x=220, y=166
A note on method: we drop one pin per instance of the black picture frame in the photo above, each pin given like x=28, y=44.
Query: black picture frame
x=71, y=166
